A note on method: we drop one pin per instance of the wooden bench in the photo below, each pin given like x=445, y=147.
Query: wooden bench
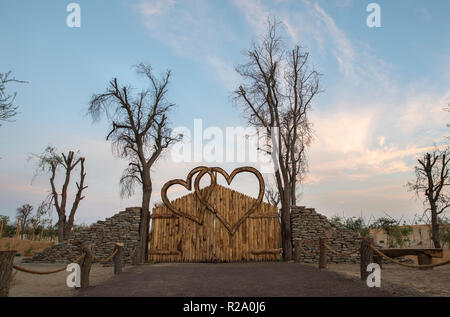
x=424, y=256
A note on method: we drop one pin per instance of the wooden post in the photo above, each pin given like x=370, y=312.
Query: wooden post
x=118, y=258
x=366, y=257
x=6, y=266
x=134, y=258
x=86, y=264
x=424, y=259
x=322, y=254
x=378, y=259
x=297, y=252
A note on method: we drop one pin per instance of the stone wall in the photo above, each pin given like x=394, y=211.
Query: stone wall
x=122, y=227
x=308, y=226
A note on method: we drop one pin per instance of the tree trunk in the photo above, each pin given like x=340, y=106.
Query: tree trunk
x=435, y=229
x=6, y=266
x=24, y=227
x=293, y=193
x=286, y=241
x=67, y=231
x=61, y=225
x=145, y=219
x=66, y=234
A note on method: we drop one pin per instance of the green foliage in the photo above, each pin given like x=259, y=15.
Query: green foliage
x=444, y=233
x=78, y=228
x=5, y=219
x=397, y=235
x=336, y=220
x=353, y=224
x=9, y=230
x=50, y=232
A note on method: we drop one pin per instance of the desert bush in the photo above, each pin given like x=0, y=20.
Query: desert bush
x=397, y=235
x=353, y=223
x=28, y=251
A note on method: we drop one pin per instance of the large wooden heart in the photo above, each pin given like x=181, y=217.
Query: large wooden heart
x=188, y=185
x=231, y=227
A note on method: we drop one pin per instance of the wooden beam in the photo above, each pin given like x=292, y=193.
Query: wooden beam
x=264, y=216
x=163, y=216
x=397, y=252
x=165, y=252
x=267, y=251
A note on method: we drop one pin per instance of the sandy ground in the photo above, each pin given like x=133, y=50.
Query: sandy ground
x=52, y=285
x=403, y=281
x=241, y=279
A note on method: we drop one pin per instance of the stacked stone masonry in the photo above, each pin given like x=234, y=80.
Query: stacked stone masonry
x=122, y=227
x=307, y=228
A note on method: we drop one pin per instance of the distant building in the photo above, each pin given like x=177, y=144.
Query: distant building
x=420, y=237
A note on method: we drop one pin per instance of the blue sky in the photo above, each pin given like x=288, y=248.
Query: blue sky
x=385, y=89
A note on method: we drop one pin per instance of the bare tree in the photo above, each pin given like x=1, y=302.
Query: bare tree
x=39, y=220
x=432, y=179
x=7, y=107
x=139, y=132
x=49, y=162
x=278, y=89
x=23, y=212
x=272, y=196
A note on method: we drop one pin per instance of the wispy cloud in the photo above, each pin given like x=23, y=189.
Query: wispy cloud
x=343, y=51
x=355, y=144
x=154, y=7
x=368, y=124
x=190, y=30
x=255, y=13
x=225, y=71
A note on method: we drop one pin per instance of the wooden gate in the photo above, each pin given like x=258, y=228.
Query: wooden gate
x=239, y=228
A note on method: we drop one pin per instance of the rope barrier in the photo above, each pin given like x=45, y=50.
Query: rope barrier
x=108, y=259
x=302, y=249
x=408, y=265
x=132, y=253
x=25, y=270
x=340, y=253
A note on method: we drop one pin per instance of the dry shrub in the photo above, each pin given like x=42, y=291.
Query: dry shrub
x=24, y=247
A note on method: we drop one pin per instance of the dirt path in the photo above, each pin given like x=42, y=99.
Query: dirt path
x=235, y=279
x=230, y=279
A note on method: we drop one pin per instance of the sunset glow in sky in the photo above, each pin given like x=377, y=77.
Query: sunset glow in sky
x=385, y=90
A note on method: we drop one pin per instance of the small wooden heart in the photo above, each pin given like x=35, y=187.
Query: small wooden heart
x=232, y=228
x=188, y=185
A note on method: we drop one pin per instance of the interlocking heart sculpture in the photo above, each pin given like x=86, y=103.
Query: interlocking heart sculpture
x=204, y=196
